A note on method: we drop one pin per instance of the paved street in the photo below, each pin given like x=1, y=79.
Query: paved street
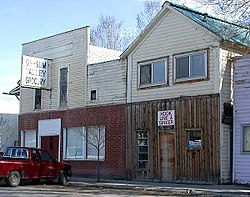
x=51, y=190
x=88, y=187
x=56, y=191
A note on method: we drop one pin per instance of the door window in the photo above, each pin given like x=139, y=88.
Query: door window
x=45, y=156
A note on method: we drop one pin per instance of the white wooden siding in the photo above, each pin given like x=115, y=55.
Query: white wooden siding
x=174, y=34
x=109, y=81
x=226, y=88
x=69, y=49
x=242, y=109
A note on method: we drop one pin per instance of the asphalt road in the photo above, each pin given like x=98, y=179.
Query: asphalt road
x=48, y=190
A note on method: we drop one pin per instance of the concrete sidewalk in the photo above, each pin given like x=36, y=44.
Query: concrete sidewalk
x=181, y=188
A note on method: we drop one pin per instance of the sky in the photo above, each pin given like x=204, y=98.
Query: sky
x=28, y=20
x=23, y=21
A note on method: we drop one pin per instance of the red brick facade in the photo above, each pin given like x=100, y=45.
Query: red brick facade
x=113, y=117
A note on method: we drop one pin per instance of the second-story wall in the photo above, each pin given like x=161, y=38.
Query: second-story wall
x=66, y=50
x=107, y=80
x=171, y=36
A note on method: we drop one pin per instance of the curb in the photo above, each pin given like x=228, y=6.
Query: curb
x=170, y=188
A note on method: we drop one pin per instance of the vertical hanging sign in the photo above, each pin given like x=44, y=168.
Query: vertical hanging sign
x=34, y=72
x=166, y=118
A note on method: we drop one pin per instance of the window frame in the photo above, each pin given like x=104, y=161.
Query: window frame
x=35, y=99
x=29, y=141
x=138, y=152
x=243, y=140
x=85, y=144
x=199, y=145
x=60, y=85
x=95, y=157
x=189, y=55
x=91, y=94
x=151, y=62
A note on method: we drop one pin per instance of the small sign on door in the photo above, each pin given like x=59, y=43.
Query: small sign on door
x=166, y=118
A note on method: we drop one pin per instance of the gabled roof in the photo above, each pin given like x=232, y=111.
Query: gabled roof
x=225, y=30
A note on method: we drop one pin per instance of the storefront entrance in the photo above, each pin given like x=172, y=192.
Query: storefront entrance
x=167, y=156
x=50, y=143
x=49, y=131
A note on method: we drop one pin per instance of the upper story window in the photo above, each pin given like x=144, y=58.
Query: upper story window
x=152, y=73
x=190, y=66
x=63, y=86
x=93, y=95
x=38, y=98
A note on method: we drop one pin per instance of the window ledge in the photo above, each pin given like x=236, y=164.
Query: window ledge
x=191, y=80
x=152, y=86
x=80, y=159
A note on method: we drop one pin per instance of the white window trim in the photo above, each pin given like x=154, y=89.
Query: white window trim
x=151, y=62
x=83, y=157
x=23, y=137
x=34, y=100
x=242, y=140
x=84, y=146
x=190, y=54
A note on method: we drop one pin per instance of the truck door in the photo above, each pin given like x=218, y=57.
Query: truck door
x=35, y=165
x=48, y=165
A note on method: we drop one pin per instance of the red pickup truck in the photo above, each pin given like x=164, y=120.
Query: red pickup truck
x=21, y=163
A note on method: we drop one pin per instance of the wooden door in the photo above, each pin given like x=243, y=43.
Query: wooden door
x=51, y=143
x=167, y=141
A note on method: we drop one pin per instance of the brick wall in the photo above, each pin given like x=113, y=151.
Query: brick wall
x=113, y=117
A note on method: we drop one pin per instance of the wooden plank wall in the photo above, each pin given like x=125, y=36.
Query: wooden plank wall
x=200, y=112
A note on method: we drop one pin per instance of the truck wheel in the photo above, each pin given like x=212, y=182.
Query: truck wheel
x=62, y=178
x=14, y=179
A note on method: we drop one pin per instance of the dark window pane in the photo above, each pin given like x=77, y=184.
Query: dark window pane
x=93, y=95
x=143, y=156
x=145, y=74
x=143, y=149
x=159, y=72
x=142, y=164
x=45, y=156
x=246, y=139
x=182, y=67
x=197, y=65
x=38, y=98
x=194, y=139
x=63, y=86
